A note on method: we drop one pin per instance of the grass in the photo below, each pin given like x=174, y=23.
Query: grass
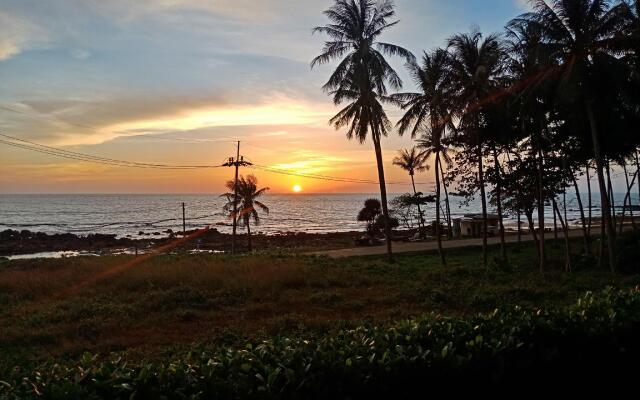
x=177, y=303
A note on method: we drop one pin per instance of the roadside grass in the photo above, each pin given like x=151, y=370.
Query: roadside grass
x=178, y=303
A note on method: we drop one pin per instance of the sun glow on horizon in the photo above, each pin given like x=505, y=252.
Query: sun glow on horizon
x=296, y=188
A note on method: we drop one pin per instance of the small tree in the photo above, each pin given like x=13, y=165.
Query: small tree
x=246, y=200
x=372, y=208
x=403, y=207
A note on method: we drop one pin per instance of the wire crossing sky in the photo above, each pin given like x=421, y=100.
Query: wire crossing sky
x=174, y=82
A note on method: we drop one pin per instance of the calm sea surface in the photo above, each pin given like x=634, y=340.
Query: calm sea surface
x=131, y=214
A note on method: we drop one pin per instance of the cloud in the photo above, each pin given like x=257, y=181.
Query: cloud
x=18, y=34
x=261, y=10
x=79, y=121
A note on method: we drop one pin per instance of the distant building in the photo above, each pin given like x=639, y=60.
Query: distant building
x=471, y=225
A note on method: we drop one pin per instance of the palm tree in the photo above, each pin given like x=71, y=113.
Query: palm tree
x=411, y=161
x=530, y=68
x=428, y=112
x=247, y=193
x=362, y=75
x=477, y=64
x=580, y=34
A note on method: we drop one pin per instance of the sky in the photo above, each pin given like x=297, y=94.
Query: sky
x=179, y=81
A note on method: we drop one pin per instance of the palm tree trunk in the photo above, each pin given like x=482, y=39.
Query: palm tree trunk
x=496, y=163
x=249, y=236
x=532, y=230
x=585, y=233
x=627, y=196
x=590, y=202
x=603, y=235
x=415, y=194
x=483, y=200
x=519, y=231
x=638, y=172
x=612, y=200
x=438, y=234
x=565, y=229
x=611, y=238
x=555, y=226
x=624, y=202
x=541, y=207
x=383, y=190
x=446, y=202
x=629, y=187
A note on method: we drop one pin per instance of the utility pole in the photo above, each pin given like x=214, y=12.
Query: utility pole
x=184, y=224
x=236, y=162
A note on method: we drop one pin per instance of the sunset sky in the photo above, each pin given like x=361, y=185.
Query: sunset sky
x=177, y=81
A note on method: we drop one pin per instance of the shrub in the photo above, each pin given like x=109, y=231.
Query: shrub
x=594, y=340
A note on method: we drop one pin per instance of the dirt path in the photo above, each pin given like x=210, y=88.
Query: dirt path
x=402, y=247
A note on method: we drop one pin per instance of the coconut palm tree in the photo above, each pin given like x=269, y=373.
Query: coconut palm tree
x=412, y=161
x=362, y=75
x=246, y=201
x=579, y=35
x=532, y=69
x=427, y=112
x=476, y=67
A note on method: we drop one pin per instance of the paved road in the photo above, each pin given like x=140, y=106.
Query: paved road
x=404, y=247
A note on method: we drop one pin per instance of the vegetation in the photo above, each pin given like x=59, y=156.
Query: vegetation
x=508, y=347
x=413, y=161
x=243, y=200
x=362, y=75
x=525, y=113
x=429, y=111
x=522, y=113
x=57, y=308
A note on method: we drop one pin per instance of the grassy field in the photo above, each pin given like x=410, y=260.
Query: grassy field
x=177, y=303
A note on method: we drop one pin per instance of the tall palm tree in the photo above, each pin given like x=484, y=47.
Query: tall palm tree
x=531, y=67
x=580, y=34
x=427, y=112
x=413, y=161
x=246, y=202
x=362, y=75
x=477, y=64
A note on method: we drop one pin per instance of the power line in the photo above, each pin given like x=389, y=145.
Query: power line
x=40, y=148
x=122, y=163
x=53, y=151
x=325, y=177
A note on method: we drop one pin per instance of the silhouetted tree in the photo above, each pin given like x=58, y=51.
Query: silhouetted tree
x=579, y=35
x=372, y=208
x=362, y=74
x=248, y=193
x=477, y=65
x=413, y=161
x=428, y=113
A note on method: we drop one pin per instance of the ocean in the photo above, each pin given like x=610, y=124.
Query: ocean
x=133, y=214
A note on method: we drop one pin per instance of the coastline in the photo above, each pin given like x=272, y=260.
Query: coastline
x=13, y=242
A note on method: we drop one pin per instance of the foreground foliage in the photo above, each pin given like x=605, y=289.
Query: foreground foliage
x=596, y=337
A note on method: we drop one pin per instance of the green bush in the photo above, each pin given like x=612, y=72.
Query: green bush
x=594, y=340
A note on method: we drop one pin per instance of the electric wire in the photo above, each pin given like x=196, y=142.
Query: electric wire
x=44, y=149
x=54, y=151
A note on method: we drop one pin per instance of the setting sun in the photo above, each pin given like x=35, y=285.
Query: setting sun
x=297, y=188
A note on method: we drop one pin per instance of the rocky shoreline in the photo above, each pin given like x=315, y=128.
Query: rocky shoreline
x=13, y=242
